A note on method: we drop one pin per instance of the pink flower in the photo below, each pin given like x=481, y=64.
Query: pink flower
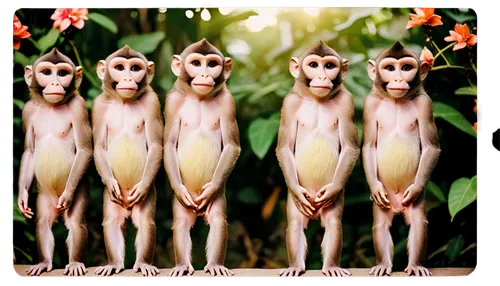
x=424, y=16
x=462, y=36
x=20, y=32
x=426, y=56
x=69, y=16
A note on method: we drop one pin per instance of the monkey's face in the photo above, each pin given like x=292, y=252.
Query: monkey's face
x=127, y=73
x=204, y=70
x=398, y=73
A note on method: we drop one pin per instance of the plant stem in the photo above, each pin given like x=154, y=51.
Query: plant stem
x=446, y=67
x=440, y=52
x=473, y=66
x=77, y=55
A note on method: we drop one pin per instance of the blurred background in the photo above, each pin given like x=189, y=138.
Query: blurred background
x=261, y=42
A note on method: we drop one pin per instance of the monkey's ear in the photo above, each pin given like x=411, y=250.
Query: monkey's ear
x=176, y=64
x=78, y=76
x=372, y=69
x=294, y=67
x=151, y=71
x=101, y=69
x=28, y=75
x=228, y=63
x=344, y=68
x=424, y=70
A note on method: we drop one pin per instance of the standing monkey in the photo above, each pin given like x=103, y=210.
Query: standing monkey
x=400, y=151
x=57, y=152
x=201, y=147
x=128, y=128
x=317, y=150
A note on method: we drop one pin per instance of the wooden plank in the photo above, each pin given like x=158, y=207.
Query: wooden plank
x=357, y=272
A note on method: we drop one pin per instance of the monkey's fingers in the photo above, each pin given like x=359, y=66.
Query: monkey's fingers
x=206, y=185
x=116, y=189
x=383, y=194
x=306, y=203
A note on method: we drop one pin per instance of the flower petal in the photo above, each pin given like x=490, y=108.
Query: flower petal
x=57, y=23
x=456, y=36
x=64, y=24
x=427, y=12
x=420, y=11
x=414, y=23
x=459, y=46
x=17, y=43
x=79, y=24
x=472, y=40
x=475, y=127
x=434, y=20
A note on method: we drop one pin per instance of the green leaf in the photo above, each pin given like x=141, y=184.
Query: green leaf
x=469, y=90
x=454, y=248
x=460, y=18
x=250, y=196
x=436, y=191
x=104, y=21
x=462, y=193
x=143, y=43
x=21, y=59
x=454, y=117
x=47, y=41
x=261, y=134
x=18, y=79
x=19, y=103
x=263, y=91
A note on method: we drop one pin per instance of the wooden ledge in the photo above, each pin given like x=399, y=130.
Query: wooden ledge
x=242, y=272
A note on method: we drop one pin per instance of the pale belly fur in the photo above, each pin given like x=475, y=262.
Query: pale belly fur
x=397, y=163
x=315, y=160
x=52, y=166
x=198, y=158
x=128, y=159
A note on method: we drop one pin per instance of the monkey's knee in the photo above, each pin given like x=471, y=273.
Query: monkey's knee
x=113, y=221
x=217, y=220
x=182, y=223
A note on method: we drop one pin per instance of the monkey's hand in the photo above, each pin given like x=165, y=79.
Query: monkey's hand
x=184, y=197
x=326, y=195
x=379, y=195
x=208, y=192
x=412, y=193
x=300, y=196
x=22, y=203
x=65, y=200
x=137, y=194
x=114, y=190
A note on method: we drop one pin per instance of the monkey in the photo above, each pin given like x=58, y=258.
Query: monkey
x=57, y=152
x=128, y=129
x=400, y=150
x=317, y=150
x=202, y=146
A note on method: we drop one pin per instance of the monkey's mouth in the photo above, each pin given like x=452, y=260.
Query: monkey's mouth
x=401, y=89
x=325, y=87
x=127, y=88
x=203, y=84
x=54, y=94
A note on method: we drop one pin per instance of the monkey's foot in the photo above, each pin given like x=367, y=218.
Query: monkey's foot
x=75, y=269
x=418, y=270
x=335, y=271
x=36, y=270
x=179, y=270
x=146, y=269
x=292, y=271
x=381, y=270
x=218, y=270
x=108, y=269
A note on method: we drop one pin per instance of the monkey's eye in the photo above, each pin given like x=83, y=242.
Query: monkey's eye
x=329, y=65
x=119, y=67
x=63, y=73
x=135, y=68
x=406, y=67
x=313, y=65
x=390, y=68
x=212, y=64
x=196, y=63
x=47, y=72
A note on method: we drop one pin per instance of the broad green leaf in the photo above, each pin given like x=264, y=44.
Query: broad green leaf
x=21, y=59
x=261, y=134
x=210, y=28
x=462, y=193
x=18, y=79
x=19, y=103
x=143, y=43
x=47, y=41
x=460, y=18
x=454, y=117
x=250, y=196
x=454, y=248
x=263, y=91
x=436, y=191
x=469, y=90
x=104, y=21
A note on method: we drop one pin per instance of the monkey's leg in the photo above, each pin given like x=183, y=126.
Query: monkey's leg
x=184, y=220
x=113, y=224
x=46, y=214
x=74, y=219
x=417, y=238
x=143, y=217
x=331, y=220
x=382, y=240
x=217, y=237
x=296, y=243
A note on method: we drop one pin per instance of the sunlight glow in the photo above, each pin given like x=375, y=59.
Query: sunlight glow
x=189, y=14
x=162, y=10
x=225, y=11
x=313, y=11
x=205, y=15
x=239, y=47
x=266, y=17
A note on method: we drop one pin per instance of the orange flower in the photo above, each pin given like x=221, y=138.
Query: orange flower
x=426, y=56
x=66, y=16
x=424, y=16
x=462, y=36
x=475, y=107
x=20, y=32
x=475, y=127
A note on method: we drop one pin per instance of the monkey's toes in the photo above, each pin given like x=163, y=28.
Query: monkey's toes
x=292, y=271
x=107, y=270
x=179, y=270
x=381, y=270
x=146, y=269
x=218, y=270
x=335, y=271
x=39, y=268
x=418, y=271
x=75, y=269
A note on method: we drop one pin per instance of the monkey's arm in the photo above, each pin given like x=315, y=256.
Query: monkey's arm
x=27, y=170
